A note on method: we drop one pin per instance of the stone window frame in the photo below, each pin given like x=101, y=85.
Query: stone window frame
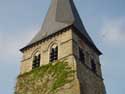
x=53, y=56
x=38, y=54
x=50, y=44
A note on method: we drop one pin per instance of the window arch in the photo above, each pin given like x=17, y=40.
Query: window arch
x=53, y=56
x=36, y=60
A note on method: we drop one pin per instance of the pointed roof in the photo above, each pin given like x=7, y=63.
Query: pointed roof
x=61, y=14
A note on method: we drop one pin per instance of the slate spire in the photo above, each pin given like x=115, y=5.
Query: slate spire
x=61, y=14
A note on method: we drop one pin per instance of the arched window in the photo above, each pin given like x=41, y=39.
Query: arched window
x=53, y=53
x=36, y=60
x=93, y=65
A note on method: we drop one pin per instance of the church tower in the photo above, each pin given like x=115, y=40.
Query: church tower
x=63, y=36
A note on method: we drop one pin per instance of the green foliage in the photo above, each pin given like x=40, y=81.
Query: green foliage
x=46, y=79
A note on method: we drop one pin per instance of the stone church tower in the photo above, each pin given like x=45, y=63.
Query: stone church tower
x=63, y=36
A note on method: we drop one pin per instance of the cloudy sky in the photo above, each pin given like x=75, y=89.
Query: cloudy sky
x=104, y=20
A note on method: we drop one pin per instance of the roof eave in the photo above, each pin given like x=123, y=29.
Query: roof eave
x=87, y=41
x=29, y=45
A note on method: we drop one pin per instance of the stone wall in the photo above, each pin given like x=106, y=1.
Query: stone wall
x=90, y=82
x=64, y=42
x=85, y=81
x=88, y=52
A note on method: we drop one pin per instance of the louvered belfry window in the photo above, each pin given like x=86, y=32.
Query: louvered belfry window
x=81, y=55
x=93, y=65
x=36, y=61
x=53, y=53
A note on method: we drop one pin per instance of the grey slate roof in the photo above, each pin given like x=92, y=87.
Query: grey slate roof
x=61, y=14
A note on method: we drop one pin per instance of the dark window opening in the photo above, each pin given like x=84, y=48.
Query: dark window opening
x=54, y=54
x=93, y=66
x=36, y=61
x=81, y=55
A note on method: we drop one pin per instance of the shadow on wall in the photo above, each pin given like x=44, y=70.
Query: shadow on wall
x=83, y=87
x=89, y=83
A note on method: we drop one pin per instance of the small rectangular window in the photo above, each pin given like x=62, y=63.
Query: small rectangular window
x=81, y=55
x=36, y=62
x=53, y=54
x=93, y=66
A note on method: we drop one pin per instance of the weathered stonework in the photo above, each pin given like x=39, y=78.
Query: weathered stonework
x=85, y=80
x=64, y=42
x=64, y=30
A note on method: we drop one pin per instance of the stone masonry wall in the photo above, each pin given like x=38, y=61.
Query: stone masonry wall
x=90, y=82
x=64, y=42
x=85, y=81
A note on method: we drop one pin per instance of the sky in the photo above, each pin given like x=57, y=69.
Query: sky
x=104, y=20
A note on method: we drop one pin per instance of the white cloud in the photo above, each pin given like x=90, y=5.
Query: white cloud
x=113, y=31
